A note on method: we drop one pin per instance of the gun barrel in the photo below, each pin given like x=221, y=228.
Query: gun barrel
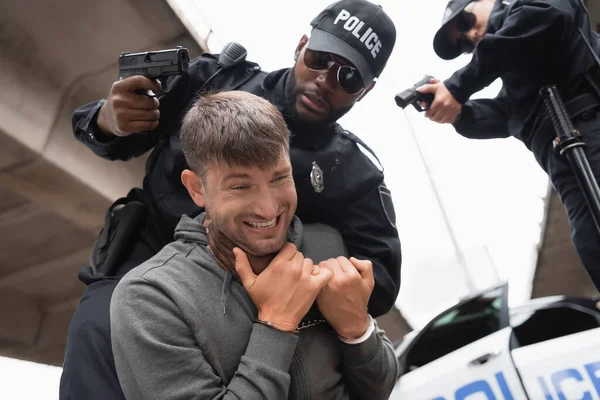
x=406, y=98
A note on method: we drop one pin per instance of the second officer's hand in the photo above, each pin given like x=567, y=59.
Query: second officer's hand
x=445, y=108
x=285, y=290
x=127, y=110
x=343, y=302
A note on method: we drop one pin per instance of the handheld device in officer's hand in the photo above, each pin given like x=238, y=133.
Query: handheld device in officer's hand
x=155, y=64
x=411, y=96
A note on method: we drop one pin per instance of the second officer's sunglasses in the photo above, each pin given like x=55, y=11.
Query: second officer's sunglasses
x=465, y=21
x=348, y=77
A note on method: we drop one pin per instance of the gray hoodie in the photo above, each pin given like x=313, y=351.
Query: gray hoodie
x=182, y=328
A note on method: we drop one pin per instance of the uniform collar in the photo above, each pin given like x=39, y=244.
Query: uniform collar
x=498, y=15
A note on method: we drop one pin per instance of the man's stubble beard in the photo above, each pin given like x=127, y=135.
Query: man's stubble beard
x=240, y=240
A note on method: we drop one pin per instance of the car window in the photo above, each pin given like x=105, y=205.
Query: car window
x=556, y=321
x=459, y=326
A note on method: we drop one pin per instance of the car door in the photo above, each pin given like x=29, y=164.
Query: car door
x=464, y=353
x=558, y=357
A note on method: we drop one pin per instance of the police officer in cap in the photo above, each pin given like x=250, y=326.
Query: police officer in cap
x=529, y=44
x=337, y=183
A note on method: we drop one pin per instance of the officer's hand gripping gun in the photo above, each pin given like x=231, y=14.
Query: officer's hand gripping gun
x=411, y=96
x=155, y=64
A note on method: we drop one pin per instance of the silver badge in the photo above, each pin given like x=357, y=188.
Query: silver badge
x=316, y=177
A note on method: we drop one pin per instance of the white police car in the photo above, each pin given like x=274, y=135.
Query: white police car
x=548, y=349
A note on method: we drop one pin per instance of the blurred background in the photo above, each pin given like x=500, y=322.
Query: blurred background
x=470, y=213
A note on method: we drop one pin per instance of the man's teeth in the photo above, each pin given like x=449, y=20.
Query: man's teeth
x=263, y=225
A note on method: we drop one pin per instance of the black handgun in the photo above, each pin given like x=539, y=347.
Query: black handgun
x=155, y=64
x=411, y=96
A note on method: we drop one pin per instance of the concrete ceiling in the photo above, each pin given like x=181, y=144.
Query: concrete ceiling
x=55, y=56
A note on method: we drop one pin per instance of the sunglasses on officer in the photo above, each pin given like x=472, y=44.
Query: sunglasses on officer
x=348, y=77
x=465, y=21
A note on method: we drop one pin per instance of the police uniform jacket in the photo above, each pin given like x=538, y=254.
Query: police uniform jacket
x=529, y=44
x=353, y=199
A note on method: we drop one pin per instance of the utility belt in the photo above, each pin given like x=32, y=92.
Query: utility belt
x=576, y=108
x=115, y=243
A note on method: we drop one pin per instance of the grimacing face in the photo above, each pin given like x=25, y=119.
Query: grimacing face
x=253, y=207
x=317, y=96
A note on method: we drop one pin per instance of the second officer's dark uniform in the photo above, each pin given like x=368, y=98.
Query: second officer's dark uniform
x=529, y=45
x=337, y=184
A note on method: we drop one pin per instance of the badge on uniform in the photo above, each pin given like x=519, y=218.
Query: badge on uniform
x=388, y=205
x=316, y=178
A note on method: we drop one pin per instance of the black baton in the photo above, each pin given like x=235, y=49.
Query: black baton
x=569, y=142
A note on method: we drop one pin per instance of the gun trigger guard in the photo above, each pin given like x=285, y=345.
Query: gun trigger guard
x=419, y=108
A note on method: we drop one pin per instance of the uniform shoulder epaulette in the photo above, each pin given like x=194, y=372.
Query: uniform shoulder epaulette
x=365, y=149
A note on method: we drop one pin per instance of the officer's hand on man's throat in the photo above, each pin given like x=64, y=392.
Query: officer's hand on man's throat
x=444, y=109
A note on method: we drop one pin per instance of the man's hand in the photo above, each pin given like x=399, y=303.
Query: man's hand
x=285, y=290
x=125, y=111
x=445, y=108
x=343, y=302
x=221, y=249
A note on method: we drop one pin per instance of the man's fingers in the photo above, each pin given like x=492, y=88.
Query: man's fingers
x=139, y=82
x=431, y=88
x=362, y=265
x=143, y=115
x=322, y=278
x=433, y=80
x=364, y=268
x=226, y=257
x=287, y=252
x=141, y=126
x=434, y=112
x=345, y=265
x=315, y=269
x=332, y=265
x=307, y=264
x=243, y=268
x=219, y=238
x=133, y=102
x=325, y=265
x=144, y=102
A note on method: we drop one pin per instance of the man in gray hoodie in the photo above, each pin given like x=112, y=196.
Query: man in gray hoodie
x=273, y=324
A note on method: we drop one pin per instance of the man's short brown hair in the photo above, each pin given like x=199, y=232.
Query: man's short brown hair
x=236, y=128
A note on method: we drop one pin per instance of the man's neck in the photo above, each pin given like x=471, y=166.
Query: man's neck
x=259, y=263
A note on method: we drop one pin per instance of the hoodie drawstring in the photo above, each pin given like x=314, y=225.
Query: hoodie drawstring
x=225, y=290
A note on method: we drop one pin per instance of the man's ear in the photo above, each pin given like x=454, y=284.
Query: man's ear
x=367, y=90
x=300, y=46
x=194, y=186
